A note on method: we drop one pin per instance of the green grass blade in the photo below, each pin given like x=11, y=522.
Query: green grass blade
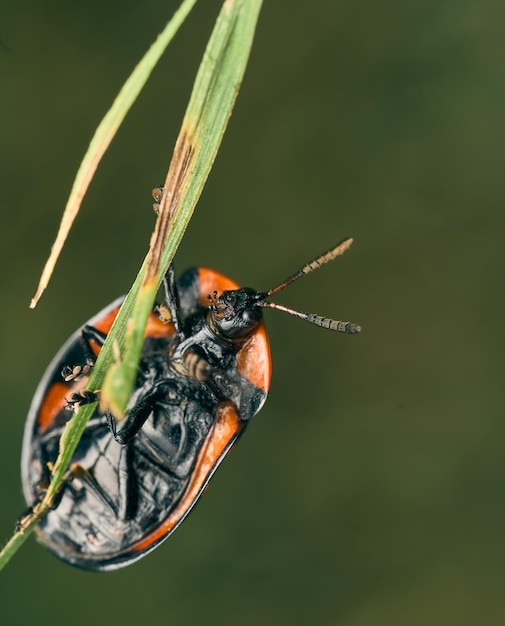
x=103, y=136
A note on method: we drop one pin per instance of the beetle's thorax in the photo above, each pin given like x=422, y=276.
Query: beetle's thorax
x=212, y=336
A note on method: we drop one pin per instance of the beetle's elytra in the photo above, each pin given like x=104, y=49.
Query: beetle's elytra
x=201, y=378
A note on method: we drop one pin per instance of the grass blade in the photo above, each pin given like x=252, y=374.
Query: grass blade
x=103, y=136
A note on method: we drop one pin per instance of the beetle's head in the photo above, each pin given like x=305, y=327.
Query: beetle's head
x=235, y=314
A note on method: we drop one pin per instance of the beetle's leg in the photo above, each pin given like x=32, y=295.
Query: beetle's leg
x=91, y=334
x=172, y=299
x=127, y=495
x=81, y=398
x=135, y=417
x=128, y=490
x=88, y=334
x=79, y=472
x=24, y=520
x=127, y=485
x=185, y=433
x=40, y=489
x=214, y=390
x=76, y=471
x=131, y=424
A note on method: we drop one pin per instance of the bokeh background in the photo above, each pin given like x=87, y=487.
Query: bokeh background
x=370, y=489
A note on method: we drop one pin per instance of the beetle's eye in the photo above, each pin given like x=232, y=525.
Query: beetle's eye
x=247, y=316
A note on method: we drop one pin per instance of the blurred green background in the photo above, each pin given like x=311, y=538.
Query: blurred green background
x=370, y=489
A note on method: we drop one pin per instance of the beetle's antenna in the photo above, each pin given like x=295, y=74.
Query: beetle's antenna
x=318, y=320
x=338, y=250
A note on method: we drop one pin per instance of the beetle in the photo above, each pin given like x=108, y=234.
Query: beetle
x=202, y=376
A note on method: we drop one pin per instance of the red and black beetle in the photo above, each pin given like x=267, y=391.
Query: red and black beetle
x=201, y=378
